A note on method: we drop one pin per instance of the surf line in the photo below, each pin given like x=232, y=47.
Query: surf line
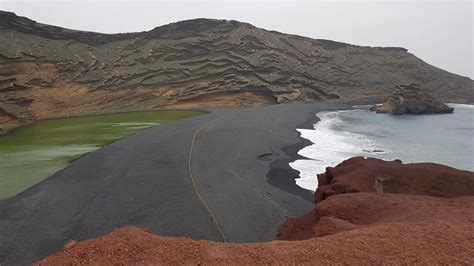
x=192, y=177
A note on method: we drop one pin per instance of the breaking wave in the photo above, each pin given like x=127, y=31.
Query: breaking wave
x=331, y=145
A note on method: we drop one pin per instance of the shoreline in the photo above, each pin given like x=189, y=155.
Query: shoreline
x=370, y=141
x=124, y=182
x=77, y=157
x=280, y=173
x=280, y=170
x=11, y=130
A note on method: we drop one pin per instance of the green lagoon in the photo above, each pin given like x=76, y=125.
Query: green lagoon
x=31, y=154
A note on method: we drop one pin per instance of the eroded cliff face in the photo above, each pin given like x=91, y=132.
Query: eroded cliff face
x=197, y=63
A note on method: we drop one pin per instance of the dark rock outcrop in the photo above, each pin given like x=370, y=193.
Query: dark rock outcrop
x=410, y=100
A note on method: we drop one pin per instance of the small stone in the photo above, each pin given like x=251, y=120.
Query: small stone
x=70, y=244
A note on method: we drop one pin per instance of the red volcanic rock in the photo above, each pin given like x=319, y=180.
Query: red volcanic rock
x=403, y=214
x=359, y=174
x=397, y=229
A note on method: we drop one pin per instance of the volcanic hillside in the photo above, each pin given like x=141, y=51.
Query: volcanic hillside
x=51, y=71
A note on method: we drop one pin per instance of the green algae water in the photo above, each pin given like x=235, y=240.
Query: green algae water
x=31, y=154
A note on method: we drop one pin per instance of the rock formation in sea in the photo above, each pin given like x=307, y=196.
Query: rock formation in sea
x=193, y=63
x=368, y=211
x=410, y=100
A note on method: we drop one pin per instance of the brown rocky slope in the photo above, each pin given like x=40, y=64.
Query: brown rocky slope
x=51, y=71
x=414, y=219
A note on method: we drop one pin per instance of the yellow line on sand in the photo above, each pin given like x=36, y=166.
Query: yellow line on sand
x=192, y=176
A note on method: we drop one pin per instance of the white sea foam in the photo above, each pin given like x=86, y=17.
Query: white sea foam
x=344, y=134
x=363, y=106
x=330, y=146
x=460, y=105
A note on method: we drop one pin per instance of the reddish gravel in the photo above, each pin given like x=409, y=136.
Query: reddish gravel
x=374, y=226
x=417, y=229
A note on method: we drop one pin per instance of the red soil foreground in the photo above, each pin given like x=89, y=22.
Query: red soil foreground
x=374, y=226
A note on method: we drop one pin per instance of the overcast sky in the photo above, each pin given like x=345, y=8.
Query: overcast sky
x=440, y=33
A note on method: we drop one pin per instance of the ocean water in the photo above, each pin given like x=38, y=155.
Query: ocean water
x=446, y=139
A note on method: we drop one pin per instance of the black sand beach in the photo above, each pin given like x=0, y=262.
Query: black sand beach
x=239, y=166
